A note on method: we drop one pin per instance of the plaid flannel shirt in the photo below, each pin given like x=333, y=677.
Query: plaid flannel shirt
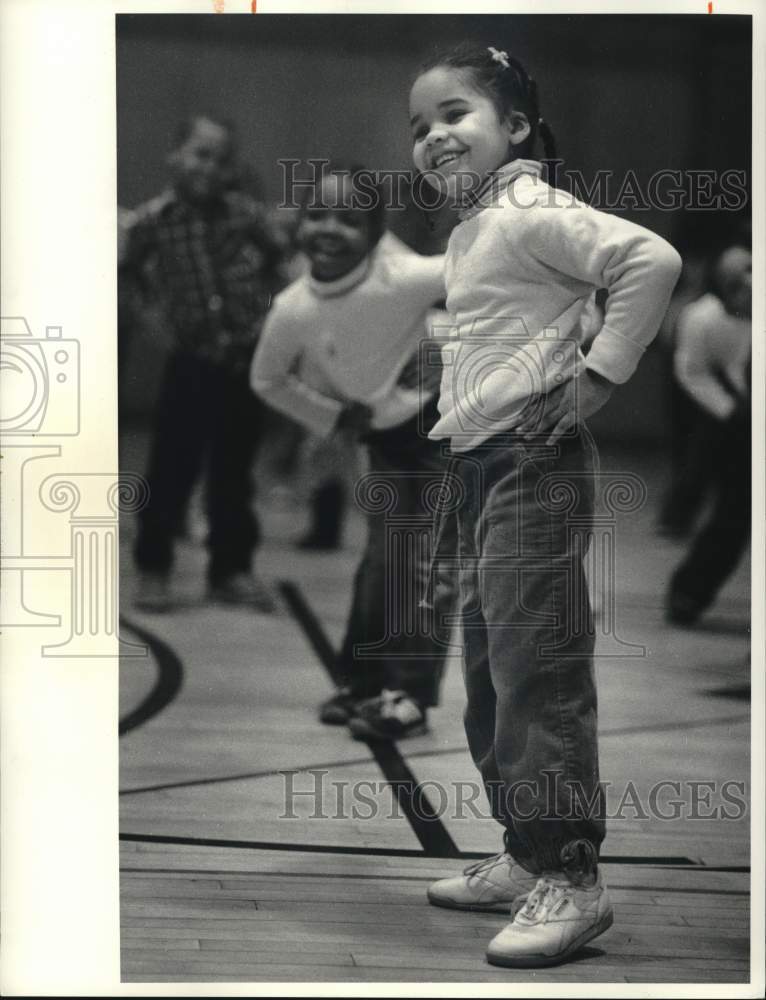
x=217, y=267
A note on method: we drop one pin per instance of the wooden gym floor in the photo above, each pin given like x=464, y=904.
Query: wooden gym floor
x=226, y=878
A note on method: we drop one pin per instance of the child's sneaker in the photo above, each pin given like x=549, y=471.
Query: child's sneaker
x=391, y=716
x=558, y=917
x=493, y=884
x=338, y=710
x=153, y=593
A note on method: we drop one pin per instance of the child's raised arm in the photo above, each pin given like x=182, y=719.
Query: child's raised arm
x=137, y=235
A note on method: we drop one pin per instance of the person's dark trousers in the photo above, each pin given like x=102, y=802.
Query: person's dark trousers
x=328, y=509
x=722, y=540
x=531, y=711
x=694, y=432
x=392, y=640
x=207, y=422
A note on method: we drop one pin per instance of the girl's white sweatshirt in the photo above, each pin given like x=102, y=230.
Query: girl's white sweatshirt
x=520, y=268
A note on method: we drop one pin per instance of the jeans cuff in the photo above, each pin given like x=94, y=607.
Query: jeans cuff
x=574, y=856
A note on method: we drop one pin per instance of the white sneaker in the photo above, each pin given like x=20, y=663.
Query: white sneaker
x=557, y=919
x=392, y=715
x=492, y=884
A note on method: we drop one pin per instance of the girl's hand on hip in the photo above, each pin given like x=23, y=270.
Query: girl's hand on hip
x=564, y=408
x=355, y=417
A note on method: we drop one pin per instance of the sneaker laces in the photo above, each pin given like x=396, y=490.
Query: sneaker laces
x=544, y=897
x=479, y=866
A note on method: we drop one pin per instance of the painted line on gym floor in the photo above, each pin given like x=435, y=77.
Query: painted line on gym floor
x=245, y=776
x=377, y=877
x=170, y=681
x=170, y=678
x=670, y=861
x=432, y=834
x=662, y=727
x=312, y=629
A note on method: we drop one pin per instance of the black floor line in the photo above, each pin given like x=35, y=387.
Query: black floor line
x=413, y=802
x=265, y=845
x=670, y=861
x=170, y=674
x=398, y=877
x=431, y=833
x=245, y=776
x=670, y=727
x=726, y=720
x=312, y=629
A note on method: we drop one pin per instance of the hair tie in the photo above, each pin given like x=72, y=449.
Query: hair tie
x=499, y=57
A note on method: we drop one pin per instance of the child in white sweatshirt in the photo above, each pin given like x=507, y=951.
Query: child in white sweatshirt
x=337, y=353
x=516, y=388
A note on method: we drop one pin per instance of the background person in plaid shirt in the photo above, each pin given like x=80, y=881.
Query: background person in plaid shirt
x=218, y=264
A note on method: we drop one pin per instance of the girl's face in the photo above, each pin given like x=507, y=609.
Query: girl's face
x=457, y=130
x=335, y=236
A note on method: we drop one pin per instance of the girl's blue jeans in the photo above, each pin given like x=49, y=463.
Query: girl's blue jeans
x=524, y=521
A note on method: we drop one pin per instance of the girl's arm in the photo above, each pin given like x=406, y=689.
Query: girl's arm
x=272, y=376
x=638, y=268
x=416, y=276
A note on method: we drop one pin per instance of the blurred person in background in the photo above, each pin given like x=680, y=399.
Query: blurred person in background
x=339, y=353
x=712, y=363
x=218, y=265
x=703, y=236
x=688, y=423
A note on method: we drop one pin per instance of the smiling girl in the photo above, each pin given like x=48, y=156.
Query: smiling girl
x=335, y=355
x=516, y=389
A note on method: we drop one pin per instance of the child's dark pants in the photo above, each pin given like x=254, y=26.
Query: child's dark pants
x=392, y=641
x=528, y=638
x=723, y=539
x=207, y=418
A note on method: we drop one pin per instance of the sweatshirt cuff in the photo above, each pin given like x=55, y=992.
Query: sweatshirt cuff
x=613, y=356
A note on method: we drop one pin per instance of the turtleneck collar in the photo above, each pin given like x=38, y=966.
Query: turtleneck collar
x=339, y=286
x=495, y=185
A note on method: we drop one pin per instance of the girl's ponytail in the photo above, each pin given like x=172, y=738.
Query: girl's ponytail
x=541, y=128
x=549, y=149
